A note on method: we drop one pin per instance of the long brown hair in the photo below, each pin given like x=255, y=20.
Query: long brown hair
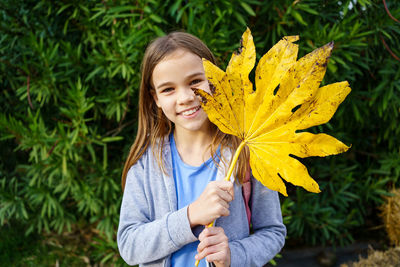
x=153, y=125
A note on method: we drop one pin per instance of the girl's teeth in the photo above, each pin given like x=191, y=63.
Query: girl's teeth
x=189, y=112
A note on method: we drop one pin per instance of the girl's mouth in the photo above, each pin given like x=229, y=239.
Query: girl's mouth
x=190, y=112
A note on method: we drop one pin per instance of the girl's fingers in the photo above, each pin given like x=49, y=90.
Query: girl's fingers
x=225, y=195
x=211, y=204
x=218, y=252
x=214, y=245
x=210, y=241
x=207, y=251
x=210, y=231
x=217, y=256
x=224, y=211
x=224, y=204
x=226, y=186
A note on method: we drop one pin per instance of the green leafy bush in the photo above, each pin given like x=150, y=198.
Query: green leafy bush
x=69, y=73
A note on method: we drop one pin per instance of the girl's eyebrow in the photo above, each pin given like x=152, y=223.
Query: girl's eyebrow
x=194, y=74
x=188, y=77
x=163, y=84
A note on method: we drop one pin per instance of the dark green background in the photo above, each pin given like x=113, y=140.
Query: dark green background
x=69, y=74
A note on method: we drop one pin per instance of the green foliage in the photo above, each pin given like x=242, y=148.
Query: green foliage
x=69, y=73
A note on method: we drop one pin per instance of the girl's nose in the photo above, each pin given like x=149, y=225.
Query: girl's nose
x=186, y=95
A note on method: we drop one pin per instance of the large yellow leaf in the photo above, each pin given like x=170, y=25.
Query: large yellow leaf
x=287, y=99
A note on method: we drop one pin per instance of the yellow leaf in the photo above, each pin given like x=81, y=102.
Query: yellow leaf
x=288, y=98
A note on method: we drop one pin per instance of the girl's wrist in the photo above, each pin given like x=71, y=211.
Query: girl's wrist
x=190, y=213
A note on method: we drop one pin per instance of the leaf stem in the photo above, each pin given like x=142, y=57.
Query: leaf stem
x=228, y=175
x=234, y=160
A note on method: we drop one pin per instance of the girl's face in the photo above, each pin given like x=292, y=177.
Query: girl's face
x=172, y=80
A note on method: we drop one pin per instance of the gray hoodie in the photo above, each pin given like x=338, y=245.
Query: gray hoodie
x=151, y=228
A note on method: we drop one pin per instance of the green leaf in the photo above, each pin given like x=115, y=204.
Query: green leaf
x=112, y=139
x=248, y=8
x=239, y=18
x=298, y=17
x=156, y=18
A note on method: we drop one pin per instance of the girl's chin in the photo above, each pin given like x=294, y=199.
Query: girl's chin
x=194, y=125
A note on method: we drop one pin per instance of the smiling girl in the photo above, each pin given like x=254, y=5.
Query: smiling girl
x=173, y=177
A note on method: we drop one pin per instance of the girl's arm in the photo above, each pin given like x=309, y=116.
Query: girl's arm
x=140, y=239
x=269, y=230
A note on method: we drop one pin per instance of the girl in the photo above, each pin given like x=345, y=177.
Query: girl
x=173, y=177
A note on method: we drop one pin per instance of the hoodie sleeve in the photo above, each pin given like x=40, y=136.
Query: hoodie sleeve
x=269, y=231
x=141, y=239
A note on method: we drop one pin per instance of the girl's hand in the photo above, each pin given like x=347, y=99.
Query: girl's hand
x=214, y=247
x=211, y=204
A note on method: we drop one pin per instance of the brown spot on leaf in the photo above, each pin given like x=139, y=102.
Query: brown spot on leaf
x=212, y=87
x=276, y=89
x=240, y=49
x=295, y=108
x=203, y=99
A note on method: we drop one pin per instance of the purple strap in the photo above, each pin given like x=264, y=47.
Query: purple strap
x=246, y=191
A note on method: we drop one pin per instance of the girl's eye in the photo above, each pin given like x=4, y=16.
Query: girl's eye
x=166, y=90
x=195, y=81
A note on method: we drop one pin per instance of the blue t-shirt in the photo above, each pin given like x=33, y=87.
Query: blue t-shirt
x=190, y=182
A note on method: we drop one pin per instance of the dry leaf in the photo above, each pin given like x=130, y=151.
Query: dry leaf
x=287, y=99
x=390, y=214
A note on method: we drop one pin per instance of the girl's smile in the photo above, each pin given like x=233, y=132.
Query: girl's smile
x=172, y=80
x=190, y=113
